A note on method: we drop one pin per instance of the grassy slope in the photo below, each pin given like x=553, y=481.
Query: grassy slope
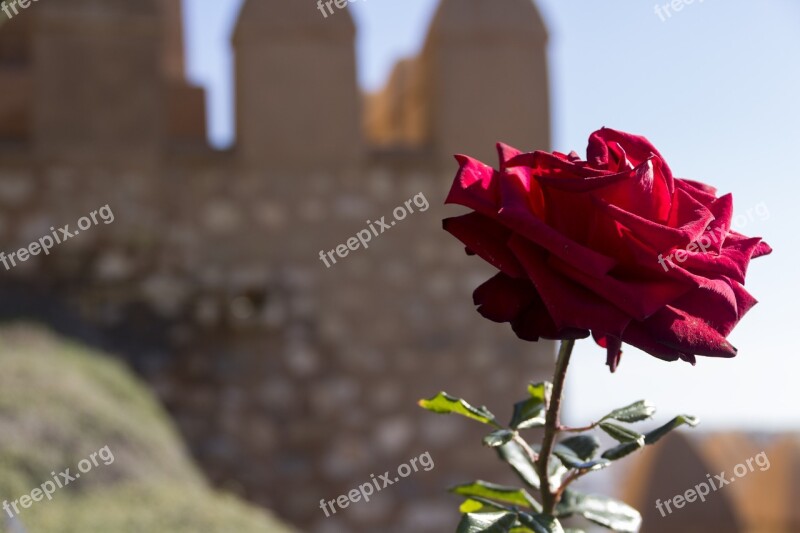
x=60, y=402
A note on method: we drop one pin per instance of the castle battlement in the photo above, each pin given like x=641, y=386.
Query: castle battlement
x=287, y=379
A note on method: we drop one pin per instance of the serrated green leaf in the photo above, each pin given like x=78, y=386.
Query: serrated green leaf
x=584, y=446
x=500, y=522
x=621, y=433
x=529, y=413
x=500, y=493
x=498, y=438
x=443, y=403
x=625, y=449
x=540, y=523
x=477, y=504
x=655, y=435
x=622, y=450
x=541, y=391
x=513, y=454
x=571, y=459
x=635, y=412
x=533, y=411
x=471, y=506
x=607, y=512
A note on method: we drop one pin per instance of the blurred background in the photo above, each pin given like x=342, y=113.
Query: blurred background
x=239, y=380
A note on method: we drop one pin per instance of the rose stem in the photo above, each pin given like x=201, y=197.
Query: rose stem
x=551, y=428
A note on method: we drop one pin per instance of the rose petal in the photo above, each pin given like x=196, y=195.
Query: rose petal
x=644, y=193
x=475, y=186
x=516, y=214
x=550, y=165
x=762, y=249
x=698, y=189
x=639, y=299
x=535, y=322
x=637, y=148
x=722, y=209
x=715, y=302
x=503, y=298
x=744, y=300
x=570, y=305
x=506, y=153
x=487, y=238
x=613, y=346
x=686, y=211
x=659, y=236
x=637, y=336
x=688, y=334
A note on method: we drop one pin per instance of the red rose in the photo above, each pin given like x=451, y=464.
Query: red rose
x=614, y=245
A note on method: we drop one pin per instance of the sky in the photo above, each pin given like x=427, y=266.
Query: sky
x=714, y=86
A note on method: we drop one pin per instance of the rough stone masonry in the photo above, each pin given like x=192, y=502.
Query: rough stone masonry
x=288, y=381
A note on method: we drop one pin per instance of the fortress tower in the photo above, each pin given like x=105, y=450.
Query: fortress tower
x=96, y=68
x=485, y=64
x=297, y=102
x=482, y=77
x=98, y=79
x=15, y=79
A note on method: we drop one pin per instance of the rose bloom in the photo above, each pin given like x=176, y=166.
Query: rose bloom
x=613, y=246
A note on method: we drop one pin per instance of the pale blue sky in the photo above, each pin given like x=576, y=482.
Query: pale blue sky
x=715, y=87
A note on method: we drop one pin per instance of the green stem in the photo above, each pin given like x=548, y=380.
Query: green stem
x=551, y=428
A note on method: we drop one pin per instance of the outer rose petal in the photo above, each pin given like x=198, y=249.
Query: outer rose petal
x=722, y=209
x=687, y=211
x=744, y=300
x=732, y=261
x=485, y=237
x=680, y=331
x=613, y=346
x=536, y=322
x=506, y=153
x=636, y=335
x=475, y=186
x=715, y=302
x=762, y=249
x=700, y=191
x=503, y=298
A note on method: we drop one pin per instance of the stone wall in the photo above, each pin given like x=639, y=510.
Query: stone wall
x=291, y=382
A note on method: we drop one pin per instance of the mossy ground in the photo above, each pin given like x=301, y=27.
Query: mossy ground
x=59, y=403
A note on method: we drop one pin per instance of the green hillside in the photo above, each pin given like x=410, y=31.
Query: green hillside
x=59, y=403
